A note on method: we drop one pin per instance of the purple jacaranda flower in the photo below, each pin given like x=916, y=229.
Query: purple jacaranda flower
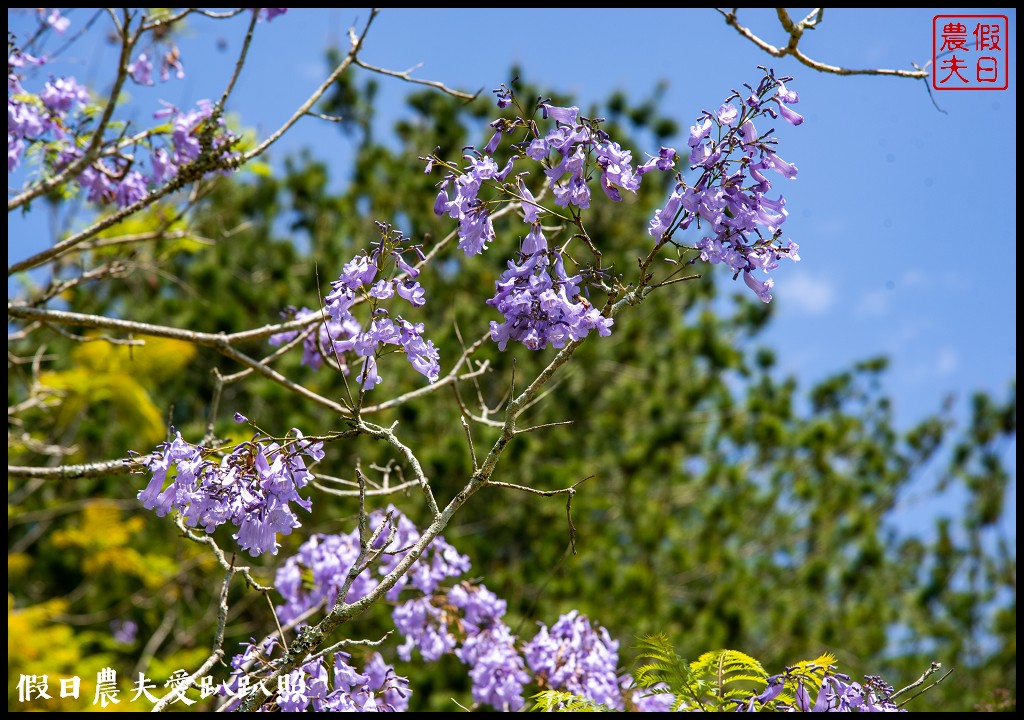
x=497, y=670
x=130, y=189
x=699, y=131
x=782, y=167
x=369, y=378
x=97, y=183
x=58, y=22
x=576, y=656
x=475, y=231
x=15, y=150
x=357, y=272
x=382, y=290
x=531, y=211
x=411, y=291
x=141, y=70
x=793, y=118
x=492, y=144
x=252, y=488
x=268, y=14
x=25, y=120
x=425, y=628
x=441, y=202
x=665, y=160
x=60, y=94
x=534, y=242
x=727, y=114
x=617, y=171
x=124, y=631
x=163, y=167
x=538, y=149
x=665, y=218
x=423, y=357
x=563, y=115
x=792, y=250
x=706, y=155
x=749, y=136
x=575, y=192
x=761, y=289
x=405, y=267
x=790, y=97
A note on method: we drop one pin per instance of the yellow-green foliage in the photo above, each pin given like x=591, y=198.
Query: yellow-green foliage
x=809, y=673
x=103, y=538
x=100, y=542
x=115, y=377
x=722, y=679
x=555, y=701
x=715, y=681
x=728, y=677
x=38, y=646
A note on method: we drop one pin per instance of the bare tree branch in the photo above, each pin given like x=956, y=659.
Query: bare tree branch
x=71, y=472
x=796, y=31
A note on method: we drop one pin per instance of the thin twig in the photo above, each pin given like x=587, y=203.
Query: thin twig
x=407, y=77
x=217, y=341
x=219, y=554
x=469, y=441
x=795, y=31
x=242, y=54
x=391, y=490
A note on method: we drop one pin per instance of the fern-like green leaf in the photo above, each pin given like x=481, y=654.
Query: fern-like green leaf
x=558, y=701
x=808, y=674
x=730, y=676
x=668, y=673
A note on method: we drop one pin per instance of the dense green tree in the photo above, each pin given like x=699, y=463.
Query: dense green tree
x=722, y=503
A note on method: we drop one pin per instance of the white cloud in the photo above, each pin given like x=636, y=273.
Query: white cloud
x=874, y=303
x=810, y=295
x=946, y=362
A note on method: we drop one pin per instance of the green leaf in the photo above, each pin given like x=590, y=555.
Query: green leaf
x=558, y=701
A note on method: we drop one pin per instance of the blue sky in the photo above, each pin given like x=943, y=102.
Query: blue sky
x=905, y=214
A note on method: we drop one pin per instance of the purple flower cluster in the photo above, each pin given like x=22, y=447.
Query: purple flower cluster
x=116, y=180
x=570, y=142
x=730, y=198
x=475, y=228
x=489, y=648
x=317, y=572
x=362, y=280
x=466, y=619
x=541, y=302
x=577, y=657
x=252, y=487
x=325, y=684
x=57, y=22
x=57, y=121
x=315, y=575
x=37, y=118
x=188, y=138
x=837, y=694
x=140, y=70
x=426, y=628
